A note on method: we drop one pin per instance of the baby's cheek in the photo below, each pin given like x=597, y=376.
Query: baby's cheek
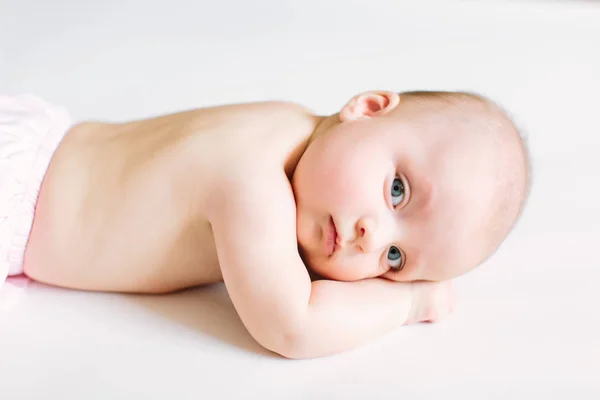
x=397, y=276
x=354, y=269
x=347, y=187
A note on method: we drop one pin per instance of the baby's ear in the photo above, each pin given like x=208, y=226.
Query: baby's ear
x=369, y=104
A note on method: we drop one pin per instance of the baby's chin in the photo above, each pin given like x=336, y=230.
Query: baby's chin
x=314, y=267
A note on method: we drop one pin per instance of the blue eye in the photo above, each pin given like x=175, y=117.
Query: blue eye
x=394, y=257
x=397, y=191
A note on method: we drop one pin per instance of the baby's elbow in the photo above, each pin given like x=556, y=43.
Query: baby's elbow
x=284, y=344
x=291, y=336
x=293, y=346
x=291, y=351
x=279, y=341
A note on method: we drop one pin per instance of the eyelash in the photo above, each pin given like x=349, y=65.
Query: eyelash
x=401, y=266
x=406, y=191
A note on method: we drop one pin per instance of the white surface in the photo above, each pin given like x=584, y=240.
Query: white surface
x=528, y=322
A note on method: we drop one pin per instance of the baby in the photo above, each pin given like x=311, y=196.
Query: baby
x=383, y=202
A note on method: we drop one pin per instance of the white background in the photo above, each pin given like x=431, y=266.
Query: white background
x=528, y=321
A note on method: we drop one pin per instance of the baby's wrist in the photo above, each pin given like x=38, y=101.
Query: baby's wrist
x=430, y=301
x=413, y=309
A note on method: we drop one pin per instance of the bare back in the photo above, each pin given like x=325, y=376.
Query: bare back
x=124, y=207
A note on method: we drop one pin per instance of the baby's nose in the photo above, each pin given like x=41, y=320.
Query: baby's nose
x=368, y=234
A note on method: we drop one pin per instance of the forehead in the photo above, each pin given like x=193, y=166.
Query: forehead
x=459, y=182
x=450, y=236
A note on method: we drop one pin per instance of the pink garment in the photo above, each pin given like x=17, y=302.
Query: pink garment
x=30, y=132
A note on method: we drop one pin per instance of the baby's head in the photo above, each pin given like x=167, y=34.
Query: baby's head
x=410, y=186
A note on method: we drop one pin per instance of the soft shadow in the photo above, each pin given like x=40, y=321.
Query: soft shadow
x=208, y=310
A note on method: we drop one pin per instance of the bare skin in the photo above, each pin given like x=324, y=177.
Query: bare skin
x=204, y=196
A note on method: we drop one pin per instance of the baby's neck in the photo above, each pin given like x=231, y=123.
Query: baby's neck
x=320, y=125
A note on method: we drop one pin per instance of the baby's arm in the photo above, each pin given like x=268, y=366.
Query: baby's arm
x=343, y=315
x=272, y=292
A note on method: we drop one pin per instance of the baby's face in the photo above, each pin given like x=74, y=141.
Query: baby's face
x=393, y=197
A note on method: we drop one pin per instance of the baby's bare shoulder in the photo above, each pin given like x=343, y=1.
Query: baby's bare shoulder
x=253, y=219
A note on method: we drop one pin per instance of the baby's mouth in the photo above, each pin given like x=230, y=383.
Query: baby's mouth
x=330, y=237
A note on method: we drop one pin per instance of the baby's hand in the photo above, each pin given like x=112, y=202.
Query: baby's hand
x=431, y=301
